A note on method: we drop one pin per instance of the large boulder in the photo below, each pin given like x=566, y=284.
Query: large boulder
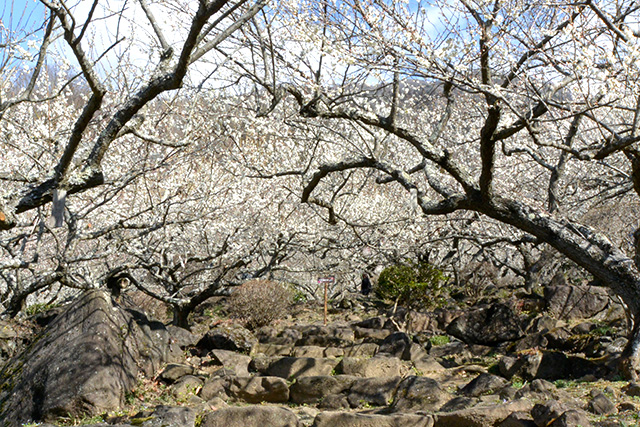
x=83, y=362
x=581, y=302
x=490, y=325
x=215, y=387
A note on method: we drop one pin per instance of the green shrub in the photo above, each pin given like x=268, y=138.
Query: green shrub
x=260, y=302
x=437, y=340
x=298, y=295
x=413, y=285
x=39, y=308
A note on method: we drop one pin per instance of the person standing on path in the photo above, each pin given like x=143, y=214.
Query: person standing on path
x=365, y=286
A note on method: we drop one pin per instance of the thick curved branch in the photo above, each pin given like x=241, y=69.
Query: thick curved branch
x=425, y=147
x=592, y=251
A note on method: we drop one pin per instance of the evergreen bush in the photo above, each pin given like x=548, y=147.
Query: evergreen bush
x=412, y=285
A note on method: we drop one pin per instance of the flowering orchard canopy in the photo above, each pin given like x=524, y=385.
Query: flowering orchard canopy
x=175, y=145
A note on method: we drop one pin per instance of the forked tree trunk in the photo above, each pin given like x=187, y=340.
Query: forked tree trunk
x=629, y=365
x=181, y=315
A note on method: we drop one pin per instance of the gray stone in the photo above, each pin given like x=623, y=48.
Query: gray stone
x=182, y=337
x=419, y=394
x=397, y=344
x=238, y=363
x=559, y=338
x=483, y=384
x=539, y=389
x=518, y=419
x=577, y=302
x=261, y=364
x=508, y=366
x=296, y=367
x=459, y=403
x=361, y=350
x=269, y=349
x=481, y=415
x=175, y=371
x=347, y=419
x=251, y=416
x=372, y=391
x=449, y=349
x=414, y=352
x=326, y=336
x=306, y=414
x=7, y=331
x=259, y=389
x=370, y=335
x=427, y=364
x=488, y=326
x=572, y=418
x=601, y=405
x=333, y=352
x=215, y=387
x=378, y=366
x=313, y=389
x=186, y=386
x=171, y=416
x=507, y=393
x=535, y=340
x=308, y=351
x=544, y=413
x=231, y=337
x=371, y=323
x=287, y=336
x=334, y=402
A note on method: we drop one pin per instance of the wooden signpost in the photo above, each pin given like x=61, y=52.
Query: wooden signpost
x=326, y=281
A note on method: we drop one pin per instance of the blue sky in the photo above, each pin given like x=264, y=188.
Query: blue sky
x=21, y=16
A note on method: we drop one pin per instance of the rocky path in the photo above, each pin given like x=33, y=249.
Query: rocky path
x=359, y=370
